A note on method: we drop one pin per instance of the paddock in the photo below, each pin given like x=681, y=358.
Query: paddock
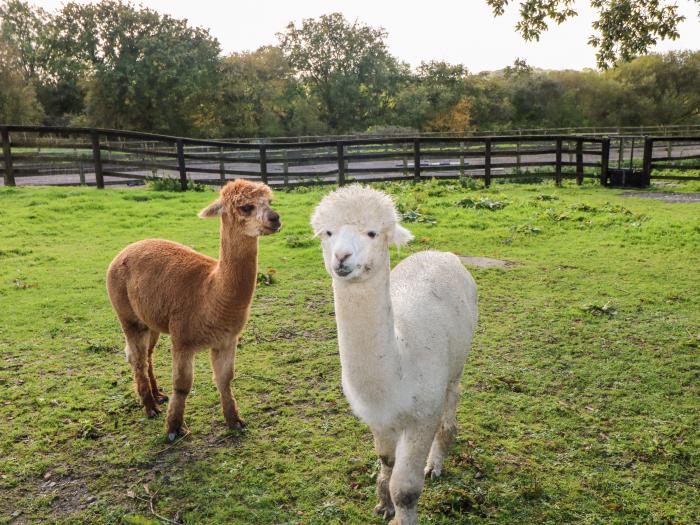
x=580, y=394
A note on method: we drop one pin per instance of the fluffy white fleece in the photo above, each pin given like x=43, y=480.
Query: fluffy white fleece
x=403, y=337
x=357, y=205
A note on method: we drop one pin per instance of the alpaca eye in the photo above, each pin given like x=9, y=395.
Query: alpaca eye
x=372, y=235
x=247, y=208
x=329, y=233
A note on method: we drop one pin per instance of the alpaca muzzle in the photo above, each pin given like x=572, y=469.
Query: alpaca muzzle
x=272, y=222
x=341, y=270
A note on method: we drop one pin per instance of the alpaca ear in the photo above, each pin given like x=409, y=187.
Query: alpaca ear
x=400, y=236
x=213, y=210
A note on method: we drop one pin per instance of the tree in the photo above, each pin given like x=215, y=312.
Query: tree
x=660, y=89
x=346, y=66
x=23, y=35
x=18, y=102
x=143, y=70
x=261, y=97
x=624, y=28
x=457, y=118
x=21, y=28
x=589, y=98
x=435, y=99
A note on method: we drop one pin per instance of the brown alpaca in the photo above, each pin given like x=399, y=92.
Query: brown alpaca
x=159, y=286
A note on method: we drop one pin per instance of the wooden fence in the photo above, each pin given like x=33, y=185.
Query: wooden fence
x=100, y=157
x=672, y=158
x=592, y=131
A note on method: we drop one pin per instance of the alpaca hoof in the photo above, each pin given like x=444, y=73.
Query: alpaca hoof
x=434, y=472
x=239, y=424
x=172, y=436
x=384, y=511
x=162, y=398
x=151, y=411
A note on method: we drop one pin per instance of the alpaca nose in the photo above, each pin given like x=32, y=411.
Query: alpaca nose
x=273, y=216
x=342, y=256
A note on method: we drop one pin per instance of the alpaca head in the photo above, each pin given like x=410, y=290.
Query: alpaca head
x=245, y=205
x=356, y=224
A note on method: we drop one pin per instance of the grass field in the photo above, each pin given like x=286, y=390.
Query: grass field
x=581, y=393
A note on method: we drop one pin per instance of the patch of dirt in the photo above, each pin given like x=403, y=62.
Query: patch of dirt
x=69, y=494
x=676, y=198
x=485, y=262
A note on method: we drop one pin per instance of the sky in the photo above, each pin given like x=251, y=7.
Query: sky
x=458, y=31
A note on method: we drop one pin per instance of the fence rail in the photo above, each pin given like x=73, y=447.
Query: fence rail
x=100, y=157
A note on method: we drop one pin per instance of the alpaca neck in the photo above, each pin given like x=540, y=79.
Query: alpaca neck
x=369, y=352
x=237, y=270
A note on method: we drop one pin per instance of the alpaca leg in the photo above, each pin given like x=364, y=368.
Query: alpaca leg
x=158, y=394
x=445, y=435
x=183, y=375
x=385, y=445
x=407, y=478
x=137, y=355
x=222, y=364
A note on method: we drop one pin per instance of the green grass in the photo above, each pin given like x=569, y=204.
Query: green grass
x=580, y=396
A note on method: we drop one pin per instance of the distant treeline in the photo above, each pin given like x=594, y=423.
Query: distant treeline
x=112, y=64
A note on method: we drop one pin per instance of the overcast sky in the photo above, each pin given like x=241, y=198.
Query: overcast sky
x=458, y=31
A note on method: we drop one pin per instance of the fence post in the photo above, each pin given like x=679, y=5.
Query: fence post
x=341, y=164
x=97, y=159
x=181, y=164
x=404, y=157
x=648, y=156
x=579, y=161
x=285, y=168
x=487, y=162
x=222, y=166
x=7, y=156
x=604, y=161
x=557, y=167
x=620, y=151
x=461, y=159
x=416, y=160
x=632, y=154
x=151, y=156
x=81, y=173
x=263, y=163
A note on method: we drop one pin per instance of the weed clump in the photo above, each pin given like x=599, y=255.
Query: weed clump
x=87, y=430
x=97, y=348
x=581, y=206
x=416, y=216
x=295, y=240
x=483, y=203
x=172, y=184
x=526, y=229
x=606, y=309
x=555, y=215
x=267, y=277
x=468, y=183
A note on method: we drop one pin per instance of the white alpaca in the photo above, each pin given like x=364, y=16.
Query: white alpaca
x=403, y=337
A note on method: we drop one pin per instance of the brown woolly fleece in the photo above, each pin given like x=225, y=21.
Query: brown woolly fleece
x=158, y=286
